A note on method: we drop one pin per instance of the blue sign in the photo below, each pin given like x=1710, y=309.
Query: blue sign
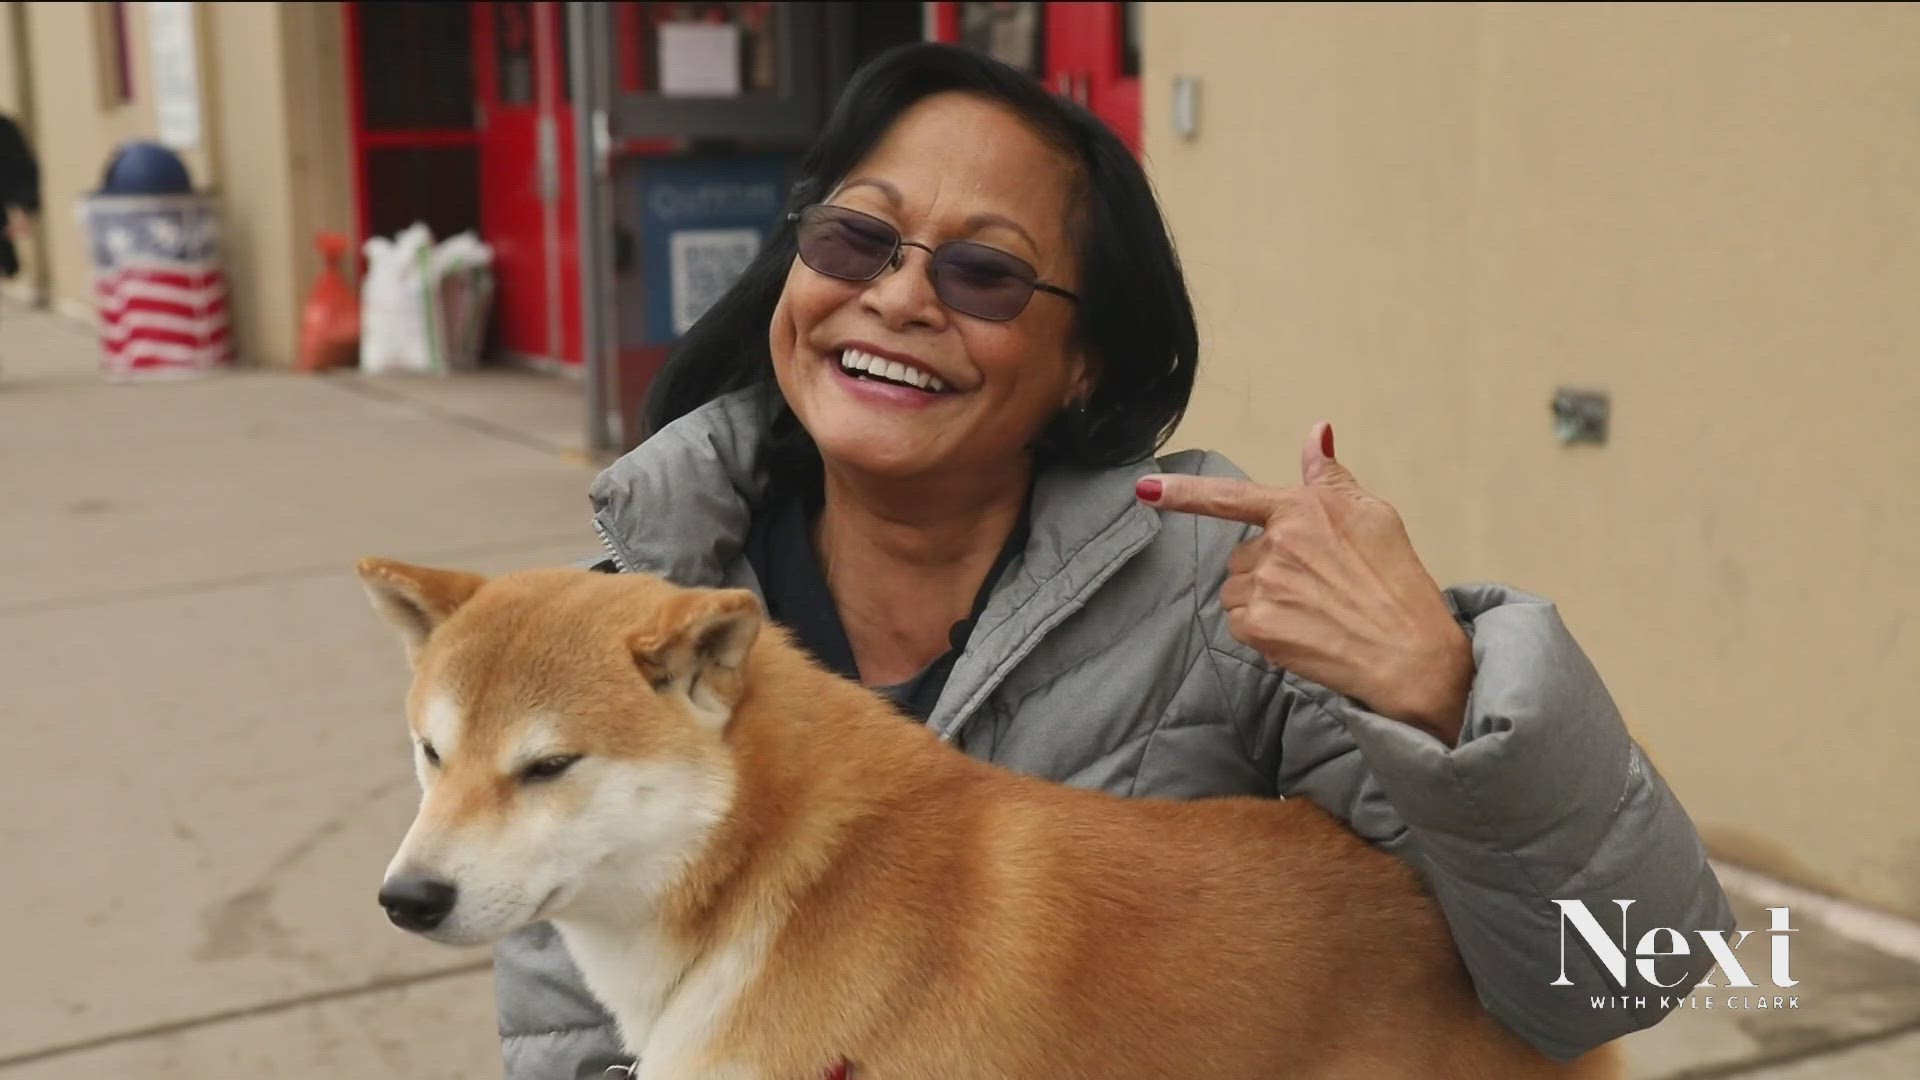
x=702, y=221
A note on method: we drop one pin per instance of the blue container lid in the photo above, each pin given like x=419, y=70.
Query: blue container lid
x=141, y=167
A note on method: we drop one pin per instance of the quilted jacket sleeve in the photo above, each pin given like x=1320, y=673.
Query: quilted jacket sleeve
x=551, y=1028
x=1545, y=797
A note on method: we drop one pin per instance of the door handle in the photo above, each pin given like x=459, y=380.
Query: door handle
x=546, y=159
x=602, y=144
x=1076, y=87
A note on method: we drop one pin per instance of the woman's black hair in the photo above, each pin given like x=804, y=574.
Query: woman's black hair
x=1134, y=320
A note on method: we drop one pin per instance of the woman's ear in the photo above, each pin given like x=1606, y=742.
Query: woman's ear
x=1082, y=376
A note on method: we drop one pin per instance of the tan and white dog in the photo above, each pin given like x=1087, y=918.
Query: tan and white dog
x=765, y=872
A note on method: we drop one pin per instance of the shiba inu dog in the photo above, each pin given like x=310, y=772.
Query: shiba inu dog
x=764, y=872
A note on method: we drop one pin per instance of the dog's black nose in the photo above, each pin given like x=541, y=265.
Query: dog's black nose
x=417, y=903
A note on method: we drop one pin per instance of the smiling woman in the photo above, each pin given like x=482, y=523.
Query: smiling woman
x=1007, y=378
x=922, y=427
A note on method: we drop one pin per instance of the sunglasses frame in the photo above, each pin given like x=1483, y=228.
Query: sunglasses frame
x=895, y=256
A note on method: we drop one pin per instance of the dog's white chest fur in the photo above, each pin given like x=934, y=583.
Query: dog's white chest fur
x=668, y=1020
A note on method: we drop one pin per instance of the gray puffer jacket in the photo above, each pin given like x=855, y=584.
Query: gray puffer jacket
x=1103, y=660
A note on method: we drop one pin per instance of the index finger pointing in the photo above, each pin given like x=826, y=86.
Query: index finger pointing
x=1214, y=497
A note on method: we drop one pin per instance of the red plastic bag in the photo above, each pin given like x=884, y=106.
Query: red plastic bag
x=330, y=323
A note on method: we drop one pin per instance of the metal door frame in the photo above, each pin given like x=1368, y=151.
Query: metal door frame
x=792, y=112
x=813, y=50
x=590, y=28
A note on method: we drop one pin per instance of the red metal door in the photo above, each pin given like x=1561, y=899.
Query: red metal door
x=1085, y=51
x=1092, y=57
x=528, y=202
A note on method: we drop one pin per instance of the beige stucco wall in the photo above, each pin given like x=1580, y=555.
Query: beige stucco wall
x=319, y=130
x=254, y=184
x=11, y=91
x=284, y=161
x=274, y=147
x=75, y=130
x=1418, y=221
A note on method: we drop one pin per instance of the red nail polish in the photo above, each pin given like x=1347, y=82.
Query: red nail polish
x=1326, y=440
x=1148, y=490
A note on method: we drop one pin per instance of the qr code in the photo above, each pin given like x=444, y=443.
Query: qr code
x=705, y=263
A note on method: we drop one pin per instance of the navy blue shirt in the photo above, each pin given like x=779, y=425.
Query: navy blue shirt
x=780, y=549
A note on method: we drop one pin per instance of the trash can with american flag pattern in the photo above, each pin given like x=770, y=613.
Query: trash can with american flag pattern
x=159, y=287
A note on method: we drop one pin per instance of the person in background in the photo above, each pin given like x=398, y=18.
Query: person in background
x=19, y=192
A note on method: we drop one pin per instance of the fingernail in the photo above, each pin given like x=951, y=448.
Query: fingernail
x=1326, y=440
x=1148, y=490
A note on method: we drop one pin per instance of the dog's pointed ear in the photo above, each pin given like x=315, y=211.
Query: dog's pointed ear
x=694, y=648
x=415, y=599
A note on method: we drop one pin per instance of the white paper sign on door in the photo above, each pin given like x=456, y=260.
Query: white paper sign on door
x=176, y=74
x=700, y=60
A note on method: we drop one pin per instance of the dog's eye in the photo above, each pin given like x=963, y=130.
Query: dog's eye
x=433, y=756
x=548, y=768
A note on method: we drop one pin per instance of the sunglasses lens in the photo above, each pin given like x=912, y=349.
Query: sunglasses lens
x=977, y=280
x=982, y=281
x=845, y=244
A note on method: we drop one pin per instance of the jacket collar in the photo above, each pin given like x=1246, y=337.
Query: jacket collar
x=679, y=506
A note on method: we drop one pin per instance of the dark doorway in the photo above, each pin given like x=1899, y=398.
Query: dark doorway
x=416, y=146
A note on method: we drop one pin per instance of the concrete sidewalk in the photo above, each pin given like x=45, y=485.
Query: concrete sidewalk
x=207, y=768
